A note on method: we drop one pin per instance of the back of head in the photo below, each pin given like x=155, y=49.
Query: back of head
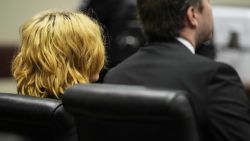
x=58, y=49
x=163, y=19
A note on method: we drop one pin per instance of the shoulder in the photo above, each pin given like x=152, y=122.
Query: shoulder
x=227, y=104
x=214, y=65
x=224, y=71
x=219, y=71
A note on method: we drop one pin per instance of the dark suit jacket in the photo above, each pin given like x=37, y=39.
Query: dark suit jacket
x=216, y=92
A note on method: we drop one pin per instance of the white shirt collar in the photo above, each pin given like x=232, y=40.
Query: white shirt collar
x=186, y=44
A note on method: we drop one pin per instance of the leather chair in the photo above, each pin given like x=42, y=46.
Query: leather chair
x=130, y=113
x=34, y=119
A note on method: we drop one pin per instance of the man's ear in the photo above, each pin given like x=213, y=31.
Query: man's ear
x=192, y=16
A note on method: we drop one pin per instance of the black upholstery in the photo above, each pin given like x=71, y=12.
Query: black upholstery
x=35, y=119
x=130, y=113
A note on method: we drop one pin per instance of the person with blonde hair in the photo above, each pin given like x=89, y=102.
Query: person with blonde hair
x=58, y=49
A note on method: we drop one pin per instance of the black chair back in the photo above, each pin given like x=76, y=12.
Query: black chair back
x=35, y=119
x=130, y=113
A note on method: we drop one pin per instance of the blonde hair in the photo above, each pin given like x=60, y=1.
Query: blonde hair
x=58, y=49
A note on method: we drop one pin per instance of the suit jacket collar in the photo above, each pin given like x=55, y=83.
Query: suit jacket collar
x=174, y=44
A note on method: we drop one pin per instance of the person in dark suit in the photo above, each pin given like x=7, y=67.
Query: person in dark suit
x=123, y=30
x=174, y=29
x=121, y=27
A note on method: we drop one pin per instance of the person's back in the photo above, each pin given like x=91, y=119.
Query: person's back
x=217, y=95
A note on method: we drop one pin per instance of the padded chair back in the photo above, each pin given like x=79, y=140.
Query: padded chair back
x=35, y=119
x=130, y=113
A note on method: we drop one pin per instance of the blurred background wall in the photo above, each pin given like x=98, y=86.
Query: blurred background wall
x=231, y=2
x=14, y=12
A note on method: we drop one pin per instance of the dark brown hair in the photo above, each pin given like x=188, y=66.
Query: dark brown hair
x=162, y=19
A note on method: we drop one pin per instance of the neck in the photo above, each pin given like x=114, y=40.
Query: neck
x=189, y=36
